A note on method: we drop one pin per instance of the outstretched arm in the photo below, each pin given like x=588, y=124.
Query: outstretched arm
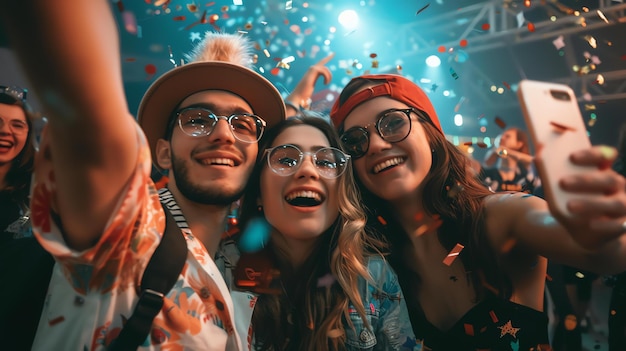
x=594, y=238
x=302, y=93
x=71, y=56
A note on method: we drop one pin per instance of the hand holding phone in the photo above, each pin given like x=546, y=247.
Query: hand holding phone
x=557, y=129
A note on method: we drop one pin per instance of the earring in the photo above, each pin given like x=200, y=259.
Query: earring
x=259, y=209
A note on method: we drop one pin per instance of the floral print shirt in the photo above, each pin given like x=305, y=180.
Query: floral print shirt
x=93, y=292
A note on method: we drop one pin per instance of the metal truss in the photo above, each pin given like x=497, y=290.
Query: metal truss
x=500, y=24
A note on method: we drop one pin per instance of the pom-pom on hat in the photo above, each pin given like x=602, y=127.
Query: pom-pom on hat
x=219, y=62
x=392, y=85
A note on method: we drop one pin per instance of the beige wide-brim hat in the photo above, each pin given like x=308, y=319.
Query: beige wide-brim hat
x=169, y=90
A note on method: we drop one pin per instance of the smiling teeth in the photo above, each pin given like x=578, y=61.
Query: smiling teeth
x=391, y=162
x=5, y=143
x=307, y=194
x=219, y=161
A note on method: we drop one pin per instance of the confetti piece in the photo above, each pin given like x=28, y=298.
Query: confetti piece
x=130, y=22
x=531, y=27
x=508, y=87
x=454, y=253
x=493, y=316
x=559, y=43
x=602, y=16
x=256, y=234
x=453, y=73
x=591, y=40
x=508, y=245
x=500, y=122
x=382, y=220
x=422, y=9
x=192, y=7
x=441, y=48
x=485, y=26
x=288, y=5
x=150, y=69
x=469, y=329
x=527, y=3
x=120, y=6
x=325, y=281
x=463, y=43
x=561, y=128
x=179, y=18
x=56, y=320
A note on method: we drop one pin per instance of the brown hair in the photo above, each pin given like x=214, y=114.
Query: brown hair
x=317, y=322
x=462, y=214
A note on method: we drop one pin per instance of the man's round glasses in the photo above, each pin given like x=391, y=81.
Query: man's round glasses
x=285, y=160
x=198, y=122
x=392, y=125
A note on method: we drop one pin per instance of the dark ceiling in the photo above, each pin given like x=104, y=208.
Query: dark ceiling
x=498, y=50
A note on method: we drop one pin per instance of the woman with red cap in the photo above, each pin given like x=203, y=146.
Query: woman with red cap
x=472, y=263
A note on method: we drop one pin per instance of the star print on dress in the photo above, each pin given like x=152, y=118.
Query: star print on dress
x=508, y=329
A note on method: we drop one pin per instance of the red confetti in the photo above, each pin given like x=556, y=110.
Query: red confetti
x=179, y=18
x=469, y=329
x=486, y=26
x=494, y=318
x=531, y=27
x=373, y=55
x=130, y=59
x=500, y=122
x=527, y=3
x=275, y=71
x=150, y=69
x=57, y=320
x=120, y=6
x=560, y=128
x=382, y=220
x=623, y=57
x=441, y=48
x=507, y=85
x=454, y=253
x=463, y=43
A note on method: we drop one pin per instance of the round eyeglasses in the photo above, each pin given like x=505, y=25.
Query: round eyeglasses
x=198, y=122
x=285, y=160
x=392, y=125
x=16, y=126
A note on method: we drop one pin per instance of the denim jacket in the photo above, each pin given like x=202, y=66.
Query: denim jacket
x=386, y=313
x=385, y=307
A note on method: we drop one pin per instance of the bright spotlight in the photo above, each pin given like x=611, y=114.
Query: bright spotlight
x=433, y=61
x=349, y=19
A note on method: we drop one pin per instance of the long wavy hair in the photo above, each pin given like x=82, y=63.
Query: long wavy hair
x=18, y=178
x=462, y=214
x=341, y=252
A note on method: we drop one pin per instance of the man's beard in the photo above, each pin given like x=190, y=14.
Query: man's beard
x=197, y=194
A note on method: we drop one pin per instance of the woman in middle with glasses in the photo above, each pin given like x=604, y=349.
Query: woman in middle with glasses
x=319, y=281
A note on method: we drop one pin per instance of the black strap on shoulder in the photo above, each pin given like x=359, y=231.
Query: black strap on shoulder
x=160, y=275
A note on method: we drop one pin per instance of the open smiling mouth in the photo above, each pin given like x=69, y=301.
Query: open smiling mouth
x=218, y=162
x=304, y=198
x=390, y=163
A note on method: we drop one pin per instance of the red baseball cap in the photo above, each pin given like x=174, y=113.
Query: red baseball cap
x=396, y=87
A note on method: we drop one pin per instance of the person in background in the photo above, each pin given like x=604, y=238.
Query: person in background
x=331, y=288
x=25, y=266
x=94, y=205
x=508, y=165
x=471, y=262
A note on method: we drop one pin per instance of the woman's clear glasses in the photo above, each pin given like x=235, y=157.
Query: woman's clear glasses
x=285, y=160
